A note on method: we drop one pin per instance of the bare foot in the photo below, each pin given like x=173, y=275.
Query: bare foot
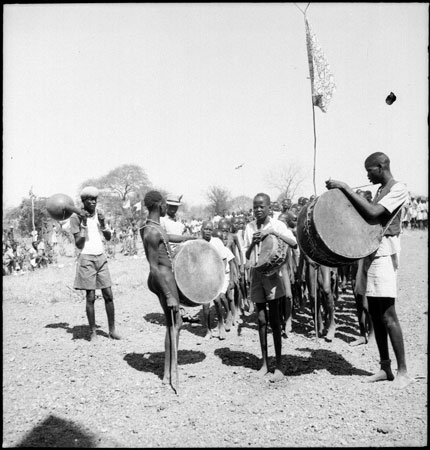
x=208, y=335
x=114, y=335
x=278, y=375
x=228, y=324
x=330, y=333
x=359, y=341
x=221, y=333
x=93, y=336
x=402, y=380
x=381, y=375
x=263, y=371
x=251, y=308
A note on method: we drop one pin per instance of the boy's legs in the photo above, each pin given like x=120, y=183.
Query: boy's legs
x=90, y=300
x=275, y=324
x=262, y=332
x=381, y=337
x=110, y=311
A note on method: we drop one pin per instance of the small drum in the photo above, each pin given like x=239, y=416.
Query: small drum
x=199, y=272
x=273, y=253
x=332, y=232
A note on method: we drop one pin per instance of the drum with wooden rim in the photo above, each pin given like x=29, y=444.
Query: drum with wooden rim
x=199, y=272
x=332, y=232
x=273, y=253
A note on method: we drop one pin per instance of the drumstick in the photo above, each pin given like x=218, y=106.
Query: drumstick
x=358, y=187
x=364, y=185
x=315, y=305
x=173, y=341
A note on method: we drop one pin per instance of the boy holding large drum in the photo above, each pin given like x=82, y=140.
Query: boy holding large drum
x=378, y=277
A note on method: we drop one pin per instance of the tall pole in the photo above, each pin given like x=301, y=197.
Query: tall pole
x=32, y=213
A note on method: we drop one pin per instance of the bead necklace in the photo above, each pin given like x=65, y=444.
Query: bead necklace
x=153, y=221
x=162, y=237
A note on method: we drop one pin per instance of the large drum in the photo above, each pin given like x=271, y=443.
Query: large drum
x=199, y=272
x=273, y=253
x=332, y=232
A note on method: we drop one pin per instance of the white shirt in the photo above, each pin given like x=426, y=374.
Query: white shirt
x=172, y=226
x=93, y=240
x=224, y=252
x=252, y=228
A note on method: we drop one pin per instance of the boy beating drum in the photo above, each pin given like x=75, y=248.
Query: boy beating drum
x=266, y=290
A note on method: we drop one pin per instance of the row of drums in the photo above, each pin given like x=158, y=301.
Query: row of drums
x=330, y=231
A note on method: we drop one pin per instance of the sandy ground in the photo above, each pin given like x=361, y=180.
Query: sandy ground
x=60, y=390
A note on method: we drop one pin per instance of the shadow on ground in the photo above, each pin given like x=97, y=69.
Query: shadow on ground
x=345, y=316
x=56, y=432
x=78, y=331
x=154, y=362
x=295, y=365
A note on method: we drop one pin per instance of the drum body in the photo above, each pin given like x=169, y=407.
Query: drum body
x=273, y=253
x=332, y=232
x=60, y=206
x=199, y=272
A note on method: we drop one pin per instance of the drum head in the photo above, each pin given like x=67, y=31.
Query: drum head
x=342, y=228
x=268, y=248
x=199, y=271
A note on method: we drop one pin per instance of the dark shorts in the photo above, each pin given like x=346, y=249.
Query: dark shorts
x=92, y=272
x=266, y=288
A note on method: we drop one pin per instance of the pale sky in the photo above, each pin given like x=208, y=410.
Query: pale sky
x=190, y=91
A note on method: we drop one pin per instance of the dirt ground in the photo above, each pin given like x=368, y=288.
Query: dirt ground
x=60, y=390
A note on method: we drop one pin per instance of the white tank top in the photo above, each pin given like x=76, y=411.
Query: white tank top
x=93, y=241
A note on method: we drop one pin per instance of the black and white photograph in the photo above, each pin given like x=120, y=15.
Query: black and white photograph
x=215, y=225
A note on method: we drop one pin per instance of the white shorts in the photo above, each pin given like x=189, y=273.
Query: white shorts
x=226, y=283
x=382, y=277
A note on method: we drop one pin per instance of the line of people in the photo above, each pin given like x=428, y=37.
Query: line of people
x=273, y=296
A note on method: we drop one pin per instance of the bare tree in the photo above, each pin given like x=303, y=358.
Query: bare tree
x=219, y=199
x=123, y=181
x=120, y=190
x=241, y=203
x=286, y=179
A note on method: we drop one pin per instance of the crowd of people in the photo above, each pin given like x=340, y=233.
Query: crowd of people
x=20, y=257
x=415, y=213
x=274, y=294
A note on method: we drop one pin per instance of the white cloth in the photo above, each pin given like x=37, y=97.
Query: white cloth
x=224, y=252
x=382, y=277
x=93, y=240
x=172, y=226
x=226, y=255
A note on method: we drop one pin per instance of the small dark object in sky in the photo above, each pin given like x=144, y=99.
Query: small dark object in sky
x=390, y=99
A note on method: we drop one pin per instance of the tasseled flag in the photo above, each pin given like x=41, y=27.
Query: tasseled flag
x=322, y=79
